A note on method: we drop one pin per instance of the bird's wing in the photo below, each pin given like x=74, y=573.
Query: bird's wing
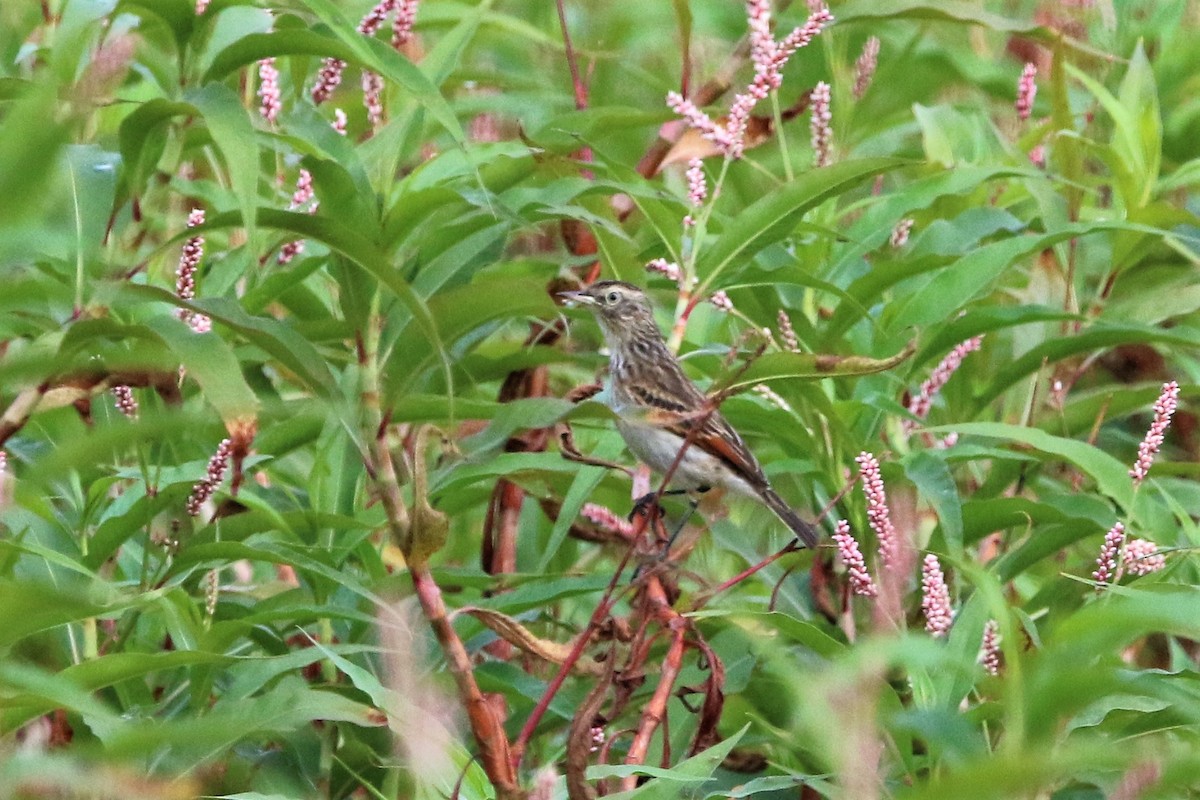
x=717, y=437
x=671, y=401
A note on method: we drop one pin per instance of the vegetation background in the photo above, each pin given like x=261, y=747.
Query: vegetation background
x=328, y=544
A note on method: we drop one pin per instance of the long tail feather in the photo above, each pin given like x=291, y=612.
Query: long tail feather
x=806, y=532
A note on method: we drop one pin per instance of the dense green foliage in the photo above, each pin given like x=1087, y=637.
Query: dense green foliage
x=391, y=394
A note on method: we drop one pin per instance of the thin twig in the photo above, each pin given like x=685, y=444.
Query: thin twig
x=577, y=84
x=606, y=603
x=494, y=752
x=656, y=709
x=790, y=547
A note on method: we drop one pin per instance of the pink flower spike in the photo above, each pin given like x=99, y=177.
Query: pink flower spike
x=1142, y=557
x=698, y=119
x=856, y=566
x=372, y=86
x=989, y=653
x=664, y=267
x=339, y=121
x=304, y=191
x=878, y=514
x=721, y=301
x=864, y=67
x=788, y=333
x=606, y=518
x=212, y=591
x=328, y=79
x=374, y=18
x=935, y=597
x=185, y=274
x=189, y=259
x=1164, y=409
x=1108, y=561
x=733, y=142
x=900, y=233
x=303, y=199
x=201, y=6
x=762, y=42
x=3, y=461
x=947, y=441
x=124, y=401
x=799, y=37
x=697, y=184
x=1026, y=91
x=769, y=59
x=215, y=473
x=771, y=396
x=402, y=25
x=697, y=188
x=290, y=250
x=920, y=404
x=268, y=90
x=822, y=134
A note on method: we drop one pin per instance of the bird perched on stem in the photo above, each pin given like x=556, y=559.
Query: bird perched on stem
x=665, y=420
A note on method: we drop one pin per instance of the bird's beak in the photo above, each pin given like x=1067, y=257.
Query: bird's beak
x=583, y=298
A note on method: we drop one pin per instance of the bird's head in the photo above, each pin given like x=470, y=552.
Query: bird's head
x=622, y=309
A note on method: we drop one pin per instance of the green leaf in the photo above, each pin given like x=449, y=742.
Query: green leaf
x=105, y=671
x=954, y=11
x=28, y=606
x=286, y=707
x=209, y=360
x=696, y=769
x=977, y=272
x=32, y=687
x=1098, y=337
x=360, y=252
x=143, y=140
x=585, y=482
x=93, y=173
x=1137, y=135
x=793, y=630
x=274, y=337
x=1111, y=476
x=31, y=134
x=931, y=475
x=769, y=220
x=944, y=10
x=255, y=47
x=809, y=366
x=229, y=124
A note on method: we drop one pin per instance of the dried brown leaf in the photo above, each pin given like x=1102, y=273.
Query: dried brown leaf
x=519, y=636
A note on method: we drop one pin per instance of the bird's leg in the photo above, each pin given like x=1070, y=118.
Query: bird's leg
x=692, y=506
x=647, y=500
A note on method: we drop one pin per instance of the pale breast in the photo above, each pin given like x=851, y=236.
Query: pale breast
x=658, y=449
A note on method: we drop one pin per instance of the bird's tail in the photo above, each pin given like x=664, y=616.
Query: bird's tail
x=805, y=531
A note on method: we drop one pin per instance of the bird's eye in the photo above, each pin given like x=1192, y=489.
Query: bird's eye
x=613, y=297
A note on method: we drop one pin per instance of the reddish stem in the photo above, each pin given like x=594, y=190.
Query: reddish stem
x=489, y=734
x=656, y=710
x=791, y=547
x=581, y=94
x=606, y=604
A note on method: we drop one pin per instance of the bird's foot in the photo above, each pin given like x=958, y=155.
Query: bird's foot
x=643, y=504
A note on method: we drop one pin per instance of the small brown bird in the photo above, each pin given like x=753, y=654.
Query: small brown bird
x=658, y=407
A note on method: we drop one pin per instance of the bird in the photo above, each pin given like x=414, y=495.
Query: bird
x=658, y=408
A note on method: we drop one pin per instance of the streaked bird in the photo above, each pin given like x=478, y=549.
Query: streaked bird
x=658, y=408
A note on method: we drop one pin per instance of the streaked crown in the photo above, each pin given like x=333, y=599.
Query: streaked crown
x=622, y=309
